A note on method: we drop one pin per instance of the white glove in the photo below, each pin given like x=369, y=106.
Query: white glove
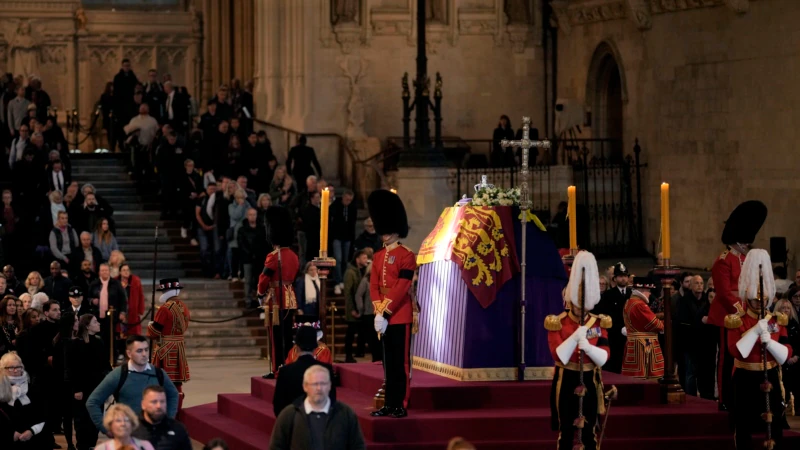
x=765, y=337
x=778, y=351
x=380, y=323
x=625, y=331
x=763, y=326
x=596, y=354
x=584, y=344
x=579, y=334
x=748, y=341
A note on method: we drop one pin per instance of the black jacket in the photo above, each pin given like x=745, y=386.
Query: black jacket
x=117, y=297
x=302, y=157
x=343, y=221
x=612, y=304
x=289, y=386
x=342, y=432
x=57, y=288
x=87, y=364
x=167, y=435
x=252, y=243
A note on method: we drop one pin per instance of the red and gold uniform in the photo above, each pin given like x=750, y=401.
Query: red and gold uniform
x=725, y=273
x=390, y=289
x=167, y=330
x=275, y=282
x=643, y=357
x=749, y=402
x=321, y=354
x=563, y=401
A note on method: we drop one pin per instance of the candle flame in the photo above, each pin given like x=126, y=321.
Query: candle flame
x=393, y=191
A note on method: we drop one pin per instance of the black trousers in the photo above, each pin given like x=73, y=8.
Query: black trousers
x=353, y=329
x=749, y=402
x=85, y=431
x=397, y=364
x=564, y=407
x=281, y=337
x=371, y=338
x=706, y=367
x=724, y=370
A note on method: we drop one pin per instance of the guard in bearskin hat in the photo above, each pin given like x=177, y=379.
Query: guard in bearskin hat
x=290, y=378
x=567, y=336
x=275, y=290
x=738, y=235
x=390, y=289
x=759, y=343
x=167, y=330
x=321, y=353
x=643, y=357
x=612, y=302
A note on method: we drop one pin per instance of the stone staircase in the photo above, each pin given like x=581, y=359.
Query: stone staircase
x=136, y=214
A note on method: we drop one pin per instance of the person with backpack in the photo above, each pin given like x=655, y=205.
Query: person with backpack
x=126, y=383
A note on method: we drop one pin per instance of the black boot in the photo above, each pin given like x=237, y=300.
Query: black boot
x=399, y=413
x=383, y=412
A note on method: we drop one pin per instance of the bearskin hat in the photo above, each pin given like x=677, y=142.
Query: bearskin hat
x=744, y=223
x=281, y=230
x=388, y=213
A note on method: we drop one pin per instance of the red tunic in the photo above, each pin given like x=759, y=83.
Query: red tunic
x=736, y=328
x=569, y=322
x=643, y=357
x=167, y=329
x=725, y=273
x=390, y=283
x=271, y=276
x=135, y=304
x=322, y=354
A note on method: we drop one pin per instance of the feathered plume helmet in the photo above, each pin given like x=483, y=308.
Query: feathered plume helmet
x=585, y=264
x=749, y=278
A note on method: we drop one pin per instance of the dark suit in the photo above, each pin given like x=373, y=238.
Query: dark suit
x=612, y=304
x=52, y=186
x=289, y=385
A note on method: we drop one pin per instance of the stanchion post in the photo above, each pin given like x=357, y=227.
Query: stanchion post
x=111, y=335
x=671, y=391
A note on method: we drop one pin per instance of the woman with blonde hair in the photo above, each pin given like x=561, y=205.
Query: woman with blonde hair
x=120, y=421
x=276, y=185
x=26, y=300
x=104, y=239
x=115, y=261
x=27, y=407
x=34, y=283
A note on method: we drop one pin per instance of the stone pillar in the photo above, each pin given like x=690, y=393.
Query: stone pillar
x=208, y=38
x=425, y=192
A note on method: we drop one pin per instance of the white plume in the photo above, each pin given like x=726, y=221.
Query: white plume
x=749, y=278
x=585, y=264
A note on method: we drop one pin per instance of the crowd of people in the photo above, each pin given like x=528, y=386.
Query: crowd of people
x=696, y=341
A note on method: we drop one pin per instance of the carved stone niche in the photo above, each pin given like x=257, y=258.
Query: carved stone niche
x=348, y=35
x=390, y=21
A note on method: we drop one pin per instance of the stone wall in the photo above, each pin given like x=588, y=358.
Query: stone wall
x=339, y=70
x=711, y=93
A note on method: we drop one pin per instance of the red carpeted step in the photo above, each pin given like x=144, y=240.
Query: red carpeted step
x=205, y=423
x=247, y=410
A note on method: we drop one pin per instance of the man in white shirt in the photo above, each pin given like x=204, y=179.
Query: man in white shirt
x=18, y=145
x=57, y=178
x=145, y=124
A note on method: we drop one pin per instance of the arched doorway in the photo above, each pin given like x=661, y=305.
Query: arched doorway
x=606, y=94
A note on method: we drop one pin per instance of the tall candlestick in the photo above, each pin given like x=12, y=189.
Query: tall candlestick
x=572, y=209
x=323, y=223
x=665, y=238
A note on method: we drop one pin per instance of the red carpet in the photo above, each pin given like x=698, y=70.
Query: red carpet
x=501, y=415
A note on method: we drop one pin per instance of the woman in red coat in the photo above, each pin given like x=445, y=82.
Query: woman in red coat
x=133, y=286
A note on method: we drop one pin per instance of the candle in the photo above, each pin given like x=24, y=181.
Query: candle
x=323, y=223
x=665, y=238
x=572, y=209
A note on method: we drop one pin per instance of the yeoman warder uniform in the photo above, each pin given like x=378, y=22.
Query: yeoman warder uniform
x=390, y=288
x=740, y=231
x=275, y=289
x=747, y=334
x=167, y=329
x=643, y=357
x=566, y=339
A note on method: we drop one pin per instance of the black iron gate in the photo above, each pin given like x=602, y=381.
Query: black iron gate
x=609, y=203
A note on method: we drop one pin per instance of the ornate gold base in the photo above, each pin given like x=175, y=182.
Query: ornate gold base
x=482, y=374
x=671, y=392
x=380, y=397
x=324, y=265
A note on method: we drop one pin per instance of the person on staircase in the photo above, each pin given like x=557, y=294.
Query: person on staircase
x=308, y=290
x=352, y=277
x=570, y=338
x=275, y=291
x=252, y=242
x=133, y=287
x=190, y=191
x=104, y=294
x=167, y=329
x=390, y=285
x=104, y=239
